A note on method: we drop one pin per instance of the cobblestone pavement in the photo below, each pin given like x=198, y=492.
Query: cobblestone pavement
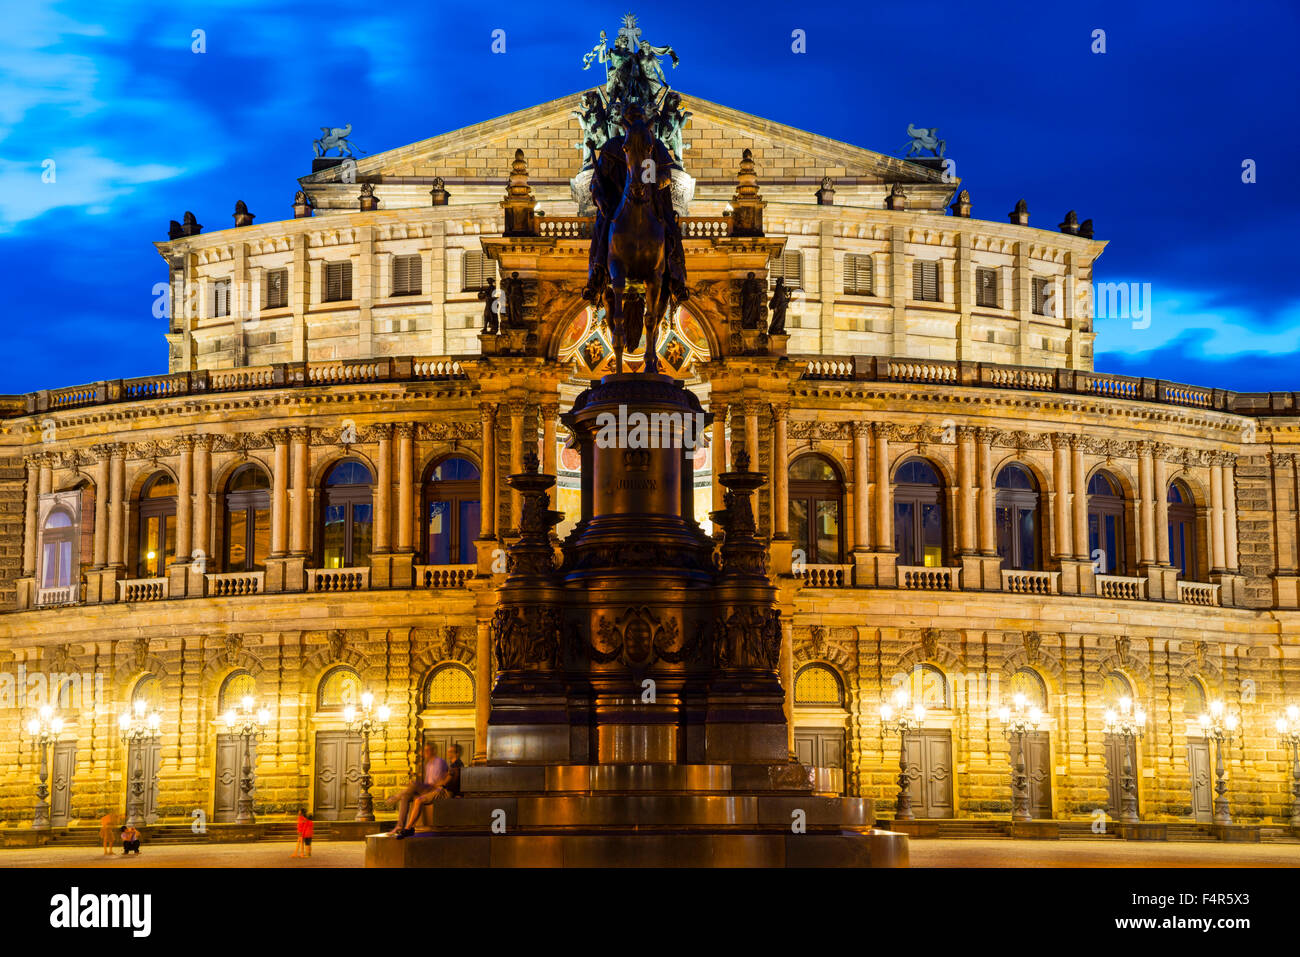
x=935, y=853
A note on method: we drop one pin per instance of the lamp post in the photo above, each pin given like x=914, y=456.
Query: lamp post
x=897, y=717
x=1017, y=722
x=1128, y=724
x=137, y=728
x=1219, y=724
x=250, y=725
x=1288, y=728
x=366, y=722
x=44, y=728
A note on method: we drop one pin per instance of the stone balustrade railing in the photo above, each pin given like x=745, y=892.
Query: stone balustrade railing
x=339, y=579
x=826, y=576
x=1031, y=582
x=923, y=578
x=235, y=584
x=142, y=589
x=53, y=597
x=443, y=576
x=1198, y=593
x=1120, y=586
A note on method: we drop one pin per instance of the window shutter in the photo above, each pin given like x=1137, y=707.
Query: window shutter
x=277, y=289
x=338, y=282
x=857, y=275
x=925, y=281
x=788, y=267
x=221, y=297
x=476, y=268
x=406, y=275
x=1042, y=291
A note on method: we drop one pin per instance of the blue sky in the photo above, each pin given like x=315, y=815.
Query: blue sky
x=1147, y=139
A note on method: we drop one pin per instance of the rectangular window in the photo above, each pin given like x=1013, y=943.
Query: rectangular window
x=277, y=289
x=406, y=275
x=857, y=275
x=338, y=282
x=787, y=266
x=1042, y=294
x=221, y=297
x=476, y=269
x=925, y=281
x=986, y=288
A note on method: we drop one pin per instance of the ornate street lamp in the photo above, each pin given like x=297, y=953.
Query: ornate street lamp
x=249, y=725
x=44, y=728
x=1017, y=722
x=897, y=717
x=1219, y=725
x=137, y=728
x=370, y=720
x=1127, y=723
x=1288, y=728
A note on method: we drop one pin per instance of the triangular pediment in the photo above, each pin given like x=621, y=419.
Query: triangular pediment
x=548, y=133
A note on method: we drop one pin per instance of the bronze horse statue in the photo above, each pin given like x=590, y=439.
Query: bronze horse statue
x=637, y=265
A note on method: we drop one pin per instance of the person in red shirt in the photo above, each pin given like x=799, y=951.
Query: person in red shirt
x=305, y=829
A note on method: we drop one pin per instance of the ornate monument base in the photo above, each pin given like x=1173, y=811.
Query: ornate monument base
x=637, y=715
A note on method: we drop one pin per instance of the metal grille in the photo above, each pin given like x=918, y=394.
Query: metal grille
x=339, y=688
x=925, y=281
x=406, y=275
x=449, y=685
x=817, y=684
x=857, y=275
x=238, y=686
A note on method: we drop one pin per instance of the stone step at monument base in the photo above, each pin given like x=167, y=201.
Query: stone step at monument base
x=626, y=847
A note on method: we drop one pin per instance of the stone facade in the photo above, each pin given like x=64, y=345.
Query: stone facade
x=868, y=379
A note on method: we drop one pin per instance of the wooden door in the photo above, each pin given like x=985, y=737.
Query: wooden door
x=821, y=748
x=62, y=768
x=145, y=756
x=1198, y=762
x=443, y=737
x=929, y=769
x=229, y=767
x=1038, y=769
x=338, y=775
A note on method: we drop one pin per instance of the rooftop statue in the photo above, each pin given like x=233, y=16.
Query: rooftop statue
x=334, y=138
x=633, y=75
x=924, y=138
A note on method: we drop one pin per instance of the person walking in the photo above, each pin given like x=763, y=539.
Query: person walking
x=107, y=824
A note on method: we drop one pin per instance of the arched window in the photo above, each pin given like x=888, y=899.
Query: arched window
x=1195, y=700
x=340, y=687
x=156, y=544
x=451, y=512
x=147, y=693
x=348, y=516
x=1106, y=542
x=1029, y=683
x=56, y=552
x=927, y=685
x=237, y=686
x=1115, y=686
x=1182, y=531
x=816, y=507
x=918, y=514
x=818, y=686
x=1016, y=501
x=449, y=686
x=248, y=519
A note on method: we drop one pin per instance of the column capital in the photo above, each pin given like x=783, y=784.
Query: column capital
x=970, y=432
x=103, y=450
x=300, y=434
x=381, y=431
x=780, y=410
x=1061, y=440
x=551, y=408
x=985, y=435
x=517, y=407
x=278, y=436
x=404, y=430
x=487, y=410
x=203, y=441
x=861, y=429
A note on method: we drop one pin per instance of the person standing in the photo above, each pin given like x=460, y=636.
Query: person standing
x=106, y=825
x=302, y=819
x=308, y=828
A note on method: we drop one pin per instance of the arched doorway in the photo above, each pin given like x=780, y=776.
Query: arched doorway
x=929, y=748
x=144, y=755
x=336, y=794
x=1038, y=744
x=1195, y=703
x=817, y=510
x=447, y=709
x=236, y=688
x=1115, y=688
x=820, y=721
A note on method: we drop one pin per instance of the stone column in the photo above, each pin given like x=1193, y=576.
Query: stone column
x=1146, y=513
x=550, y=413
x=279, y=492
x=202, y=502
x=487, y=473
x=31, y=512
x=861, y=488
x=884, y=493
x=988, y=533
x=751, y=434
x=384, y=490
x=47, y=474
x=967, y=542
x=718, y=451
x=1162, y=504
x=1079, y=507
x=185, y=505
x=101, y=505
x=482, y=689
x=780, y=473
x=1217, y=558
x=405, y=487
x=1061, y=485
x=1230, y=512
x=517, y=410
x=299, y=525
x=787, y=679
x=117, y=508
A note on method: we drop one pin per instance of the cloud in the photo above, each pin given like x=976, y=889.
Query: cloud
x=80, y=178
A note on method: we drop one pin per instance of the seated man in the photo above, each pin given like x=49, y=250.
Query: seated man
x=453, y=781
x=418, y=793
